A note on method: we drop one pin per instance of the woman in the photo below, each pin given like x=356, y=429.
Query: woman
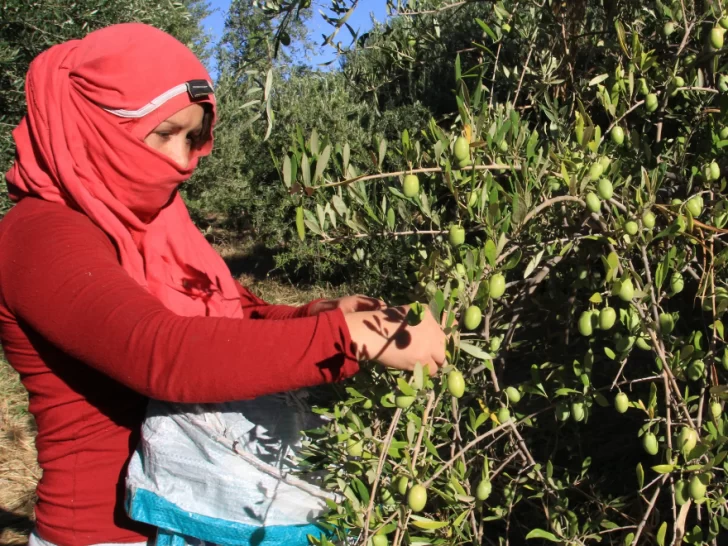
x=109, y=295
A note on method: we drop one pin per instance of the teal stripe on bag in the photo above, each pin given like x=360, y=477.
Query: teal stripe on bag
x=145, y=506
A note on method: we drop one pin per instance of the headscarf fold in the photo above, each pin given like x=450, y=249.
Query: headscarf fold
x=91, y=103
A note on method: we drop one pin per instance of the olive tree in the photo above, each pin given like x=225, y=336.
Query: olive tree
x=566, y=223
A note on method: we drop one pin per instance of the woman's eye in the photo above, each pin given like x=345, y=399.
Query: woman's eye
x=164, y=136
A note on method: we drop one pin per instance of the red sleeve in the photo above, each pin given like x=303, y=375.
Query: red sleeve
x=255, y=307
x=60, y=275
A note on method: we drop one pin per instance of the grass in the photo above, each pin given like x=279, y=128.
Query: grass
x=19, y=471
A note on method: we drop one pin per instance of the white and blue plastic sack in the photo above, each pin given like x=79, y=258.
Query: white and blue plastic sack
x=225, y=474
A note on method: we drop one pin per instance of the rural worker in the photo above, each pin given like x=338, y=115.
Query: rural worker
x=109, y=295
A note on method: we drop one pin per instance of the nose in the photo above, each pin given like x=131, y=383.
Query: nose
x=180, y=154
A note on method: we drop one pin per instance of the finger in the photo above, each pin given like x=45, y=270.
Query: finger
x=433, y=369
x=366, y=303
x=440, y=357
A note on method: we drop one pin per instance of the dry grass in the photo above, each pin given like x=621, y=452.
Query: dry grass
x=19, y=470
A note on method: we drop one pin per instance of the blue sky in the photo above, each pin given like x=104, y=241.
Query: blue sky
x=360, y=19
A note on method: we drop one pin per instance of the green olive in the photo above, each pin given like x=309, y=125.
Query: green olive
x=461, y=149
x=456, y=235
x=651, y=102
x=626, y=290
x=380, y=540
x=593, y=203
x=687, y=439
x=649, y=442
x=698, y=487
x=473, y=317
x=648, y=219
x=354, y=448
x=682, y=492
x=402, y=485
x=417, y=498
x=667, y=323
x=621, y=402
x=677, y=283
x=607, y=318
x=504, y=415
x=696, y=370
x=577, y=411
x=562, y=411
x=456, y=383
x=586, y=323
x=604, y=189
x=596, y=171
x=716, y=37
x=497, y=285
x=513, y=395
x=403, y=401
x=483, y=490
x=411, y=186
x=714, y=170
x=617, y=135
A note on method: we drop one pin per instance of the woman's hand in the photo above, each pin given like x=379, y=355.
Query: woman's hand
x=348, y=304
x=391, y=337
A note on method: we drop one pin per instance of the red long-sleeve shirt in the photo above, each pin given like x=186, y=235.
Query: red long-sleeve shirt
x=91, y=346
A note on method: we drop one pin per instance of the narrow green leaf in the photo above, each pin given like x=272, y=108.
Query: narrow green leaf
x=661, y=532
x=533, y=264
x=418, y=376
x=287, y=171
x=346, y=155
x=268, y=84
x=426, y=523
x=487, y=29
x=300, y=224
x=540, y=533
x=490, y=252
x=305, y=170
x=321, y=162
x=598, y=79
x=314, y=142
x=474, y=351
x=382, y=151
x=405, y=388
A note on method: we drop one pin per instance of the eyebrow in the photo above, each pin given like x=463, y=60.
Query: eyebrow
x=172, y=125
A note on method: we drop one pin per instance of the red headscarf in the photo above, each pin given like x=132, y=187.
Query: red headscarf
x=91, y=103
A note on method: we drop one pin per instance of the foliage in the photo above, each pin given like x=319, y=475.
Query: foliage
x=627, y=294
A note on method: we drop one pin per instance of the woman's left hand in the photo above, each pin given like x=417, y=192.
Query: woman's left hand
x=348, y=304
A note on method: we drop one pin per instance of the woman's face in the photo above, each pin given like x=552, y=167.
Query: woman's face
x=178, y=135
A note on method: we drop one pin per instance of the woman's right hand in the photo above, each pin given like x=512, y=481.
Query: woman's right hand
x=391, y=338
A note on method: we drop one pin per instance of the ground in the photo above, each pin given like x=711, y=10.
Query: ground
x=19, y=471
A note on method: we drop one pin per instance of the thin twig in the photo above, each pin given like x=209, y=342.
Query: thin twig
x=646, y=516
x=550, y=203
x=489, y=167
x=380, y=465
x=467, y=446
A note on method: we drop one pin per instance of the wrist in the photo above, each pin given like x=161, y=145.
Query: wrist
x=316, y=306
